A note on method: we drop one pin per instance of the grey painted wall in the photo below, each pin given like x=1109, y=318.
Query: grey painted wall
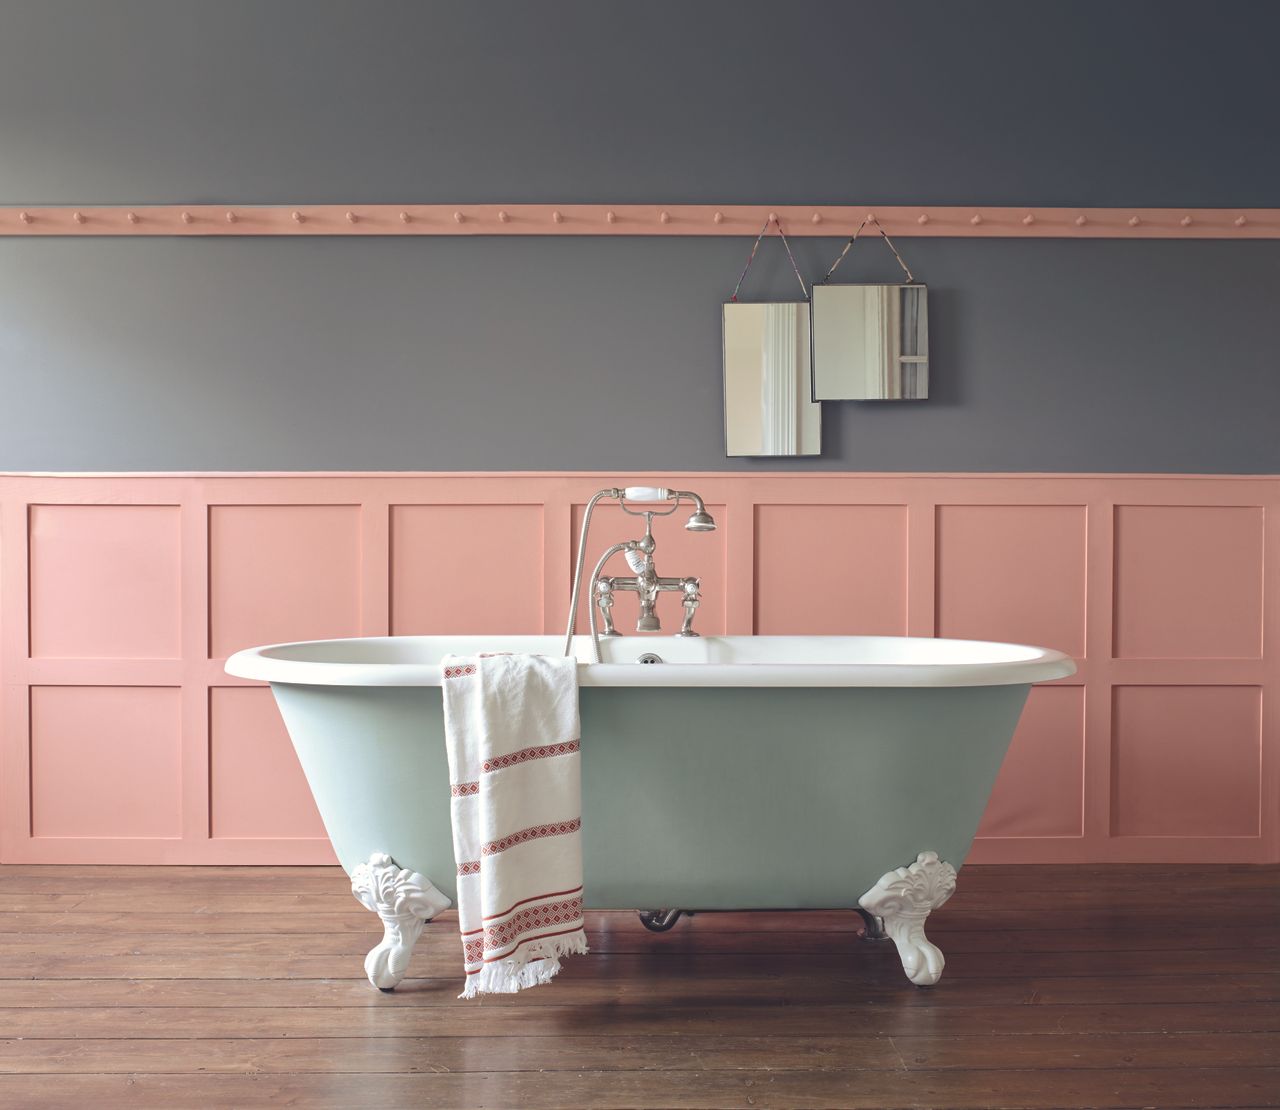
x=583, y=354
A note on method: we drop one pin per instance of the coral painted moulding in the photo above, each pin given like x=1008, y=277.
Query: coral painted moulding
x=973, y=222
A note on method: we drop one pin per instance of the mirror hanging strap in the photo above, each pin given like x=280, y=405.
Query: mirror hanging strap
x=752, y=257
x=854, y=238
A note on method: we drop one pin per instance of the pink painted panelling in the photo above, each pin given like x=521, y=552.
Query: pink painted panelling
x=466, y=569
x=1185, y=759
x=106, y=762
x=1189, y=581
x=123, y=603
x=857, y=552
x=124, y=740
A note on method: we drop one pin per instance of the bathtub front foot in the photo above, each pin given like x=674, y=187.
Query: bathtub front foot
x=872, y=929
x=902, y=899
x=405, y=901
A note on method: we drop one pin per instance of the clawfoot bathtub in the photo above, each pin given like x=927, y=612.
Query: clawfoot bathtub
x=737, y=772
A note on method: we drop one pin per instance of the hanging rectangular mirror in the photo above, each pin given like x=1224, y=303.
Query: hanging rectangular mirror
x=768, y=409
x=870, y=342
x=768, y=370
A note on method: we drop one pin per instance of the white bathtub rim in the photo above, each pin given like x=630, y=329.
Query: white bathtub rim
x=1024, y=665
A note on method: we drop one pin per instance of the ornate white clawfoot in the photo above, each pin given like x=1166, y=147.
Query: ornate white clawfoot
x=902, y=899
x=405, y=901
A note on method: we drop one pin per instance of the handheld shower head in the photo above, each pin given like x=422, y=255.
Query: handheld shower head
x=701, y=520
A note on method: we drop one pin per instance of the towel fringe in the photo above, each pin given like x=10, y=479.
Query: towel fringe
x=536, y=963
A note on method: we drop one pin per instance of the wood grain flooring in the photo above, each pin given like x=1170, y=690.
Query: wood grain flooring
x=220, y=987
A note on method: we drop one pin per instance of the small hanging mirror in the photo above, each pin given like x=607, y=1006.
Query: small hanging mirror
x=768, y=409
x=870, y=342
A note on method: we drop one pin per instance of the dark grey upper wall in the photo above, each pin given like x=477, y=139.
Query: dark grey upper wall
x=596, y=353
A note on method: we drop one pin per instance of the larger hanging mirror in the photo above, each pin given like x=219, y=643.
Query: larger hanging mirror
x=768, y=370
x=870, y=342
x=768, y=409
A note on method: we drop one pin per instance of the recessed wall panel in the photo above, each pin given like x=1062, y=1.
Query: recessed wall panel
x=105, y=581
x=256, y=785
x=831, y=570
x=1185, y=760
x=1040, y=789
x=679, y=554
x=1188, y=581
x=282, y=572
x=106, y=761
x=458, y=569
x=1012, y=573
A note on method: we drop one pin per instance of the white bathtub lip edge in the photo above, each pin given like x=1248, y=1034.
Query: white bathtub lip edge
x=1045, y=666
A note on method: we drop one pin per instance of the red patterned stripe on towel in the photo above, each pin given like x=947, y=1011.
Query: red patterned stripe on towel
x=458, y=672
x=523, y=901
x=535, y=917
x=563, y=912
x=501, y=762
x=536, y=832
x=464, y=789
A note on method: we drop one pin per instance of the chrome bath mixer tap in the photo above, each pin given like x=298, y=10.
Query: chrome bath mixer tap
x=647, y=584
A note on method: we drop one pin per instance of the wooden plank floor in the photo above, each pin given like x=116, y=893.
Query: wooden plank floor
x=242, y=987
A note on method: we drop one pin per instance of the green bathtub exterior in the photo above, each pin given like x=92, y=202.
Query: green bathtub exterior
x=694, y=797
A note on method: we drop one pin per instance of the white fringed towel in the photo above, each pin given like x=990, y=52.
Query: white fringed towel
x=511, y=729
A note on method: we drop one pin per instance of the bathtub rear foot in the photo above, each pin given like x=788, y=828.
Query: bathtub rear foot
x=659, y=921
x=405, y=901
x=902, y=899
